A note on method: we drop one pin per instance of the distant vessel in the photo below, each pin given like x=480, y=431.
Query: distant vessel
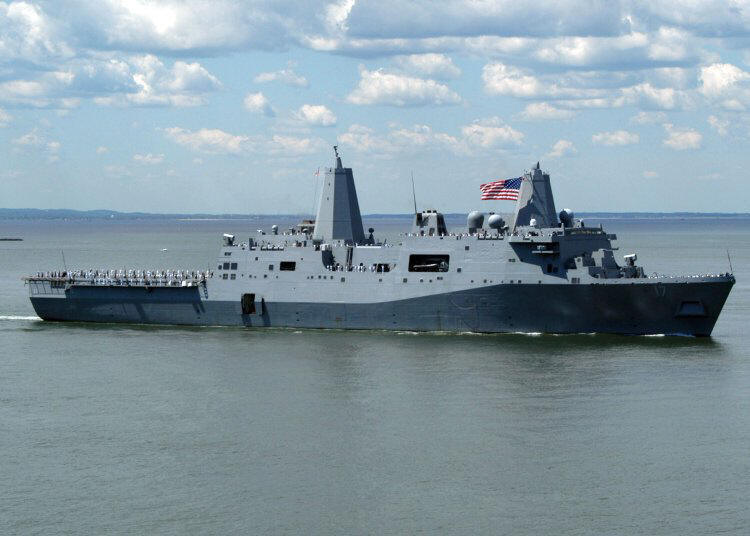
x=540, y=272
x=5, y=239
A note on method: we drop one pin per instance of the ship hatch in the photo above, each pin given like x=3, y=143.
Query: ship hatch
x=248, y=304
x=691, y=308
x=428, y=263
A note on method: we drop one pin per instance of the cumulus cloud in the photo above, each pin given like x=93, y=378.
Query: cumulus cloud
x=208, y=140
x=501, y=79
x=364, y=139
x=5, y=118
x=102, y=149
x=258, y=103
x=36, y=141
x=456, y=17
x=562, y=148
x=379, y=87
x=286, y=76
x=725, y=83
x=618, y=137
x=491, y=132
x=480, y=135
x=146, y=81
x=431, y=64
x=646, y=118
x=648, y=96
x=32, y=138
x=316, y=115
x=544, y=111
x=197, y=26
x=37, y=93
x=216, y=141
x=293, y=146
x=192, y=77
x=149, y=158
x=681, y=139
x=721, y=126
x=29, y=35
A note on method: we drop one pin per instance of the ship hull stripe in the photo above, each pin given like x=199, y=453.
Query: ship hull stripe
x=676, y=308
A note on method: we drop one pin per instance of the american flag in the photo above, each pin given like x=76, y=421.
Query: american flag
x=502, y=189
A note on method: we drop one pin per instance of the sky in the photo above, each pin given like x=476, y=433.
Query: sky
x=219, y=106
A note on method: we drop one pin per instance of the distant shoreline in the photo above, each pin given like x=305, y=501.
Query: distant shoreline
x=16, y=214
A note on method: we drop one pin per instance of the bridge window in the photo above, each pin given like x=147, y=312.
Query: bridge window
x=226, y=266
x=428, y=263
x=233, y=266
x=287, y=266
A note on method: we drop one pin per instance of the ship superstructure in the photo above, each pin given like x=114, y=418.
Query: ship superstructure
x=542, y=271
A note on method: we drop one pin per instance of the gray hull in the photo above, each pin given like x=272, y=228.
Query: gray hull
x=671, y=307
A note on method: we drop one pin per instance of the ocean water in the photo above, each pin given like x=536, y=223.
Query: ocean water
x=114, y=429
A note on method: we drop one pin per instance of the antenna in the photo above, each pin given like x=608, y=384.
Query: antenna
x=731, y=270
x=66, y=266
x=413, y=192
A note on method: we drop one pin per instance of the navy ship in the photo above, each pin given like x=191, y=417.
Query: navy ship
x=541, y=271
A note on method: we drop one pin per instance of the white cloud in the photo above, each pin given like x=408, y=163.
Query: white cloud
x=476, y=137
x=29, y=35
x=491, y=132
x=423, y=136
x=258, y=103
x=286, y=76
x=216, y=141
x=391, y=19
x=102, y=149
x=151, y=159
x=34, y=141
x=5, y=118
x=650, y=174
x=293, y=146
x=718, y=78
x=378, y=87
x=545, y=111
x=501, y=79
x=146, y=81
x=432, y=65
x=562, y=148
x=207, y=140
x=618, y=137
x=681, y=139
x=32, y=138
x=181, y=25
x=364, y=139
x=645, y=94
x=646, y=118
x=721, y=126
x=317, y=115
x=192, y=77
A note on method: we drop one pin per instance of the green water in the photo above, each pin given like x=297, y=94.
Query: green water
x=127, y=429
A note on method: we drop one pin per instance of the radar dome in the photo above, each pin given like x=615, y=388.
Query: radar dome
x=566, y=217
x=475, y=220
x=496, y=222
